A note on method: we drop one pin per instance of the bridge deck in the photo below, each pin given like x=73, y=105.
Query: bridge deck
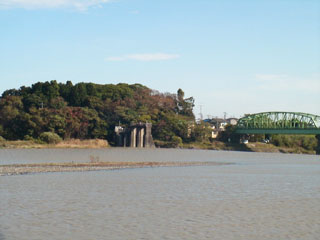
x=306, y=131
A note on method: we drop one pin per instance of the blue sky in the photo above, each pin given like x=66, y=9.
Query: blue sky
x=232, y=56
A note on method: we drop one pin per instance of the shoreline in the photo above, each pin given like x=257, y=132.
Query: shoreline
x=22, y=169
x=72, y=143
x=249, y=147
x=103, y=144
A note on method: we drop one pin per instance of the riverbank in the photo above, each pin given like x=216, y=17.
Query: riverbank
x=71, y=143
x=20, y=169
x=249, y=147
x=100, y=144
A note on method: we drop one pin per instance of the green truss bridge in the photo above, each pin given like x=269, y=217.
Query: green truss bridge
x=279, y=123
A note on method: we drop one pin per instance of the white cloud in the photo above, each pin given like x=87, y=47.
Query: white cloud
x=81, y=5
x=145, y=57
x=271, y=77
x=114, y=59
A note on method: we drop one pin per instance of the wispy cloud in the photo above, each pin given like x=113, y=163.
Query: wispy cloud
x=284, y=82
x=135, y=12
x=271, y=77
x=80, y=5
x=145, y=57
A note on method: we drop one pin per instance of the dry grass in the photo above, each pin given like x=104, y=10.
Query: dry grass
x=71, y=143
x=21, y=144
x=77, y=143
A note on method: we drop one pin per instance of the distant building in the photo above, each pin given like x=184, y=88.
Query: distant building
x=219, y=124
x=232, y=121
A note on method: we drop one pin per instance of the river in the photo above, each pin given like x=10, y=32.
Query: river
x=260, y=196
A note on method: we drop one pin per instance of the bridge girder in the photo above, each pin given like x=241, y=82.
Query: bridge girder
x=279, y=123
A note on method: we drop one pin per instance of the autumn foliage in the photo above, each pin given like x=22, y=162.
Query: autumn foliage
x=91, y=111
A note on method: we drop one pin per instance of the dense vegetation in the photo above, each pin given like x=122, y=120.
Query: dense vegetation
x=308, y=142
x=88, y=111
x=50, y=112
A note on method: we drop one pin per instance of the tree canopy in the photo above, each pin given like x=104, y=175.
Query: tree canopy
x=88, y=110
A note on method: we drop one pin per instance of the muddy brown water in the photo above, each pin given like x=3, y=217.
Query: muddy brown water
x=261, y=196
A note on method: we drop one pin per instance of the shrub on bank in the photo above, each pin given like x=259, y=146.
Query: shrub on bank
x=28, y=138
x=165, y=144
x=308, y=142
x=50, y=137
x=2, y=139
x=177, y=141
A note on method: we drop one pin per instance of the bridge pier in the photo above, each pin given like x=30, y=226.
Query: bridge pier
x=140, y=139
x=135, y=136
x=318, y=147
x=148, y=141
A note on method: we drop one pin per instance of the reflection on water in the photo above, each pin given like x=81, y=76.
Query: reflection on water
x=263, y=196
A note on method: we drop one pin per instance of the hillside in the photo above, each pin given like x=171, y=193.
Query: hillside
x=90, y=111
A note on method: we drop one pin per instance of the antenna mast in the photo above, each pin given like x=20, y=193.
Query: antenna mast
x=201, y=116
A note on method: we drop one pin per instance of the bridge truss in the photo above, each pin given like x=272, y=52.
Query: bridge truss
x=279, y=123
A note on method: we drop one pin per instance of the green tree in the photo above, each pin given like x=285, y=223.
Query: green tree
x=184, y=106
x=229, y=134
x=50, y=137
x=88, y=110
x=65, y=90
x=201, y=132
x=78, y=94
x=32, y=101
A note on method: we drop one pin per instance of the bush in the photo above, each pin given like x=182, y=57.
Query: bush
x=2, y=139
x=28, y=138
x=50, y=137
x=165, y=144
x=281, y=141
x=309, y=143
x=177, y=141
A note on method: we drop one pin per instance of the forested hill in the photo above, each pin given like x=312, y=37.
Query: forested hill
x=88, y=110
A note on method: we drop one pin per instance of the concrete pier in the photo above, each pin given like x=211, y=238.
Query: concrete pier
x=133, y=134
x=136, y=135
x=140, y=138
x=148, y=140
